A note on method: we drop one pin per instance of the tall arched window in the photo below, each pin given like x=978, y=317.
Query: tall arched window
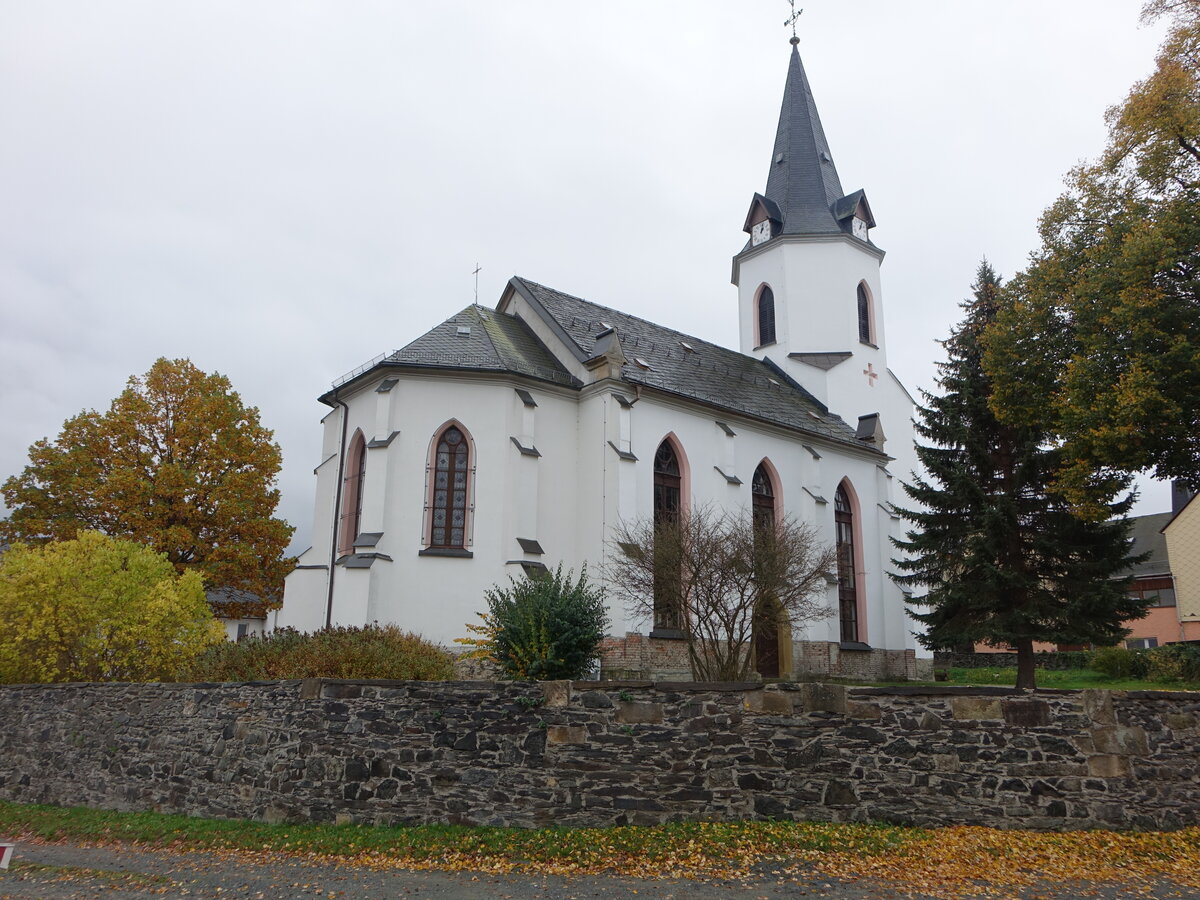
x=866, y=333
x=350, y=519
x=668, y=506
x=766, y=610
x=762, y=495
x=766, y=316
x=843, y=517
x=451, y=487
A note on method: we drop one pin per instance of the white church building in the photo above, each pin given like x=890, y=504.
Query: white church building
x=511, y=439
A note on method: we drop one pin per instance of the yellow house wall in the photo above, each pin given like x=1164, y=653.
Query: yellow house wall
x=1183, y=550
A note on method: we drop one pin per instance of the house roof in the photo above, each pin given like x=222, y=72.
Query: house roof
x=234, y=603
x=659, y=357
x=1147, y=535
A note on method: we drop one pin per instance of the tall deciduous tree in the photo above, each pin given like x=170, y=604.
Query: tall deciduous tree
x=1102, y=346
x=1002, y=557
x=177, y=463
x=99, y=609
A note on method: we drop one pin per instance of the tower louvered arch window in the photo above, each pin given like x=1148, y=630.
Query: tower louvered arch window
x=451, y=484
x=766, y=316
x=866, y=333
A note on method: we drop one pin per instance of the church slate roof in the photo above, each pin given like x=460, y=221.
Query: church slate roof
x=803, y=181
x=708, y=373
x=480, y=339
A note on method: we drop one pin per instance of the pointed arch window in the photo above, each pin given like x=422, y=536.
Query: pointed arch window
x=762, y=495
x=767, y=611
x=451, y=490
x=843, y=517
x=350, y=519
x=766, y=316
x=866, y=330
x=668, y=507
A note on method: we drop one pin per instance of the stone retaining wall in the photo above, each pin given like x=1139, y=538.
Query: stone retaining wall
x=606, y=753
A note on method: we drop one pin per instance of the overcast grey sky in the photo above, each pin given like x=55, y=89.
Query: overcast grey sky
x=281, y=190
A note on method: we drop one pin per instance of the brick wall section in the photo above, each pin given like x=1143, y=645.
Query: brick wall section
x=603, y=753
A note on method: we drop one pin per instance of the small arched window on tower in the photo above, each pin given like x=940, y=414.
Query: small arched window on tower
x=766, y=316
x=843, y=517
x=451, y=485
x=350, y=520
x=866, y=323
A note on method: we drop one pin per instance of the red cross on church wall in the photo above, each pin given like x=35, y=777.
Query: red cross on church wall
x=871, y=374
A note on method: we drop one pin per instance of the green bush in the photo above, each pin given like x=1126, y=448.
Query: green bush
x=1117, y=662
x=1174, y=662
x=373, y=651
x=548, y=627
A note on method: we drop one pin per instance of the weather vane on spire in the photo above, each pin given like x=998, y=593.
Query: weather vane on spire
x=791, y=20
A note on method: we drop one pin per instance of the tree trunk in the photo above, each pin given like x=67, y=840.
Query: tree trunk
x=1026, y=673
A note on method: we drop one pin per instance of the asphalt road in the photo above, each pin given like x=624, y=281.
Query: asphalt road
x=68, y=872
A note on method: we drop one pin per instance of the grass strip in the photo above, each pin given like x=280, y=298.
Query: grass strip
x=705, y=843
x=954, y=861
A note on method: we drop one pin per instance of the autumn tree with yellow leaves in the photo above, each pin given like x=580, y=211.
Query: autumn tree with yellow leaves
x=177, y=463
x=99, y=609
x=1101, y=342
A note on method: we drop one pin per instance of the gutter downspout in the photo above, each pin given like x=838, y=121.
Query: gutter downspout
x=337, y=505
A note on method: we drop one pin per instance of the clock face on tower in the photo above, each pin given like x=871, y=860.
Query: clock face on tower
x=760, y=232
x=860, y=228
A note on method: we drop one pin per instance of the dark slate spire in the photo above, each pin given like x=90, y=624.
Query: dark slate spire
x=803, y=182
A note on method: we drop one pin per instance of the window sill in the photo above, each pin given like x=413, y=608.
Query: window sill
x=857, y=646
x=870, y=344
x=446, y=551
x=667, y=634
x=767, y=344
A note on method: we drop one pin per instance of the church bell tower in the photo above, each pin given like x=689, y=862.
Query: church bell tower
x=808, y=278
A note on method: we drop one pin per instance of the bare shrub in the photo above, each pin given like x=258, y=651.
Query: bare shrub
x=709, y=573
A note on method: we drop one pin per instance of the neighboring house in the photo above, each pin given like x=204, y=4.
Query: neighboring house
x=1182, y=535
x=507, y=440
x=241, y=612
x=1152, y=581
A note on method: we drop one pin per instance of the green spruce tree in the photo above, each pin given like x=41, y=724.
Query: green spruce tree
x=1003, y=559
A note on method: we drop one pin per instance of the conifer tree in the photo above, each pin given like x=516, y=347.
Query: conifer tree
x=1003, y=558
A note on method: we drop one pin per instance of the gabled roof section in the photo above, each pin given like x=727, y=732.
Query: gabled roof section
x=803, y=181
x=660, y=358
x=477, y=340
x=769, y=208
x=482, y=339
x=854, y=204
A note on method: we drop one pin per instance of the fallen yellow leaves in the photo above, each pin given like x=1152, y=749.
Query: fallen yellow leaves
x=982, y=861
x=946, y=862
x=958, y=861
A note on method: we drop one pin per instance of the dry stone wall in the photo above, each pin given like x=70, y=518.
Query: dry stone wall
x=606, y=753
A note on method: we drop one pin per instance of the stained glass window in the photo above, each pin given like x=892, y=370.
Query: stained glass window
x=668, y=504
x=451, y=468
x=843, y=517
